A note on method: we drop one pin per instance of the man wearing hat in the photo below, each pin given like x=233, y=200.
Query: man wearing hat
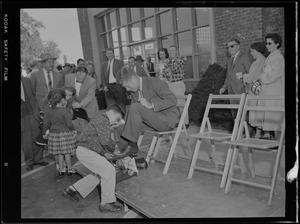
x=45, y=79
x=140, y=63
x=136, y=68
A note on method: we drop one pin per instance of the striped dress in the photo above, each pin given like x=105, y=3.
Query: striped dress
x=62, y=134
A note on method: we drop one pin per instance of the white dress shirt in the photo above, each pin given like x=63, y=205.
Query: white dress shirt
x=112, y=79
x=77, y=87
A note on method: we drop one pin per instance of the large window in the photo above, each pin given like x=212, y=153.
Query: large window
x=141, y=31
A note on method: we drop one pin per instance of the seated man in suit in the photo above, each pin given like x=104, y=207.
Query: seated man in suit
x=153, y=107
x=85, y=97
x=139, y=70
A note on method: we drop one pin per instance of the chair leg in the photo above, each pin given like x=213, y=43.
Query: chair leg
x=194, y=159
x=154, y=139
x=157, y=147
x=242, y=163
x=213, y=154
x=171, y=153
x=230, y=173
x=189, y=153
x=252, y=169
x=171, y=142
x=226, y=167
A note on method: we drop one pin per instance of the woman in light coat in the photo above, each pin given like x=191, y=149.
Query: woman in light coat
x=272, y=79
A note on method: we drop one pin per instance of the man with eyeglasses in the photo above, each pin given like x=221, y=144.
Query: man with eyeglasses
x=237, y=65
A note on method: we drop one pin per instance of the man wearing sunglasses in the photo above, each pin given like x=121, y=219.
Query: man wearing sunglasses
x=237, y=65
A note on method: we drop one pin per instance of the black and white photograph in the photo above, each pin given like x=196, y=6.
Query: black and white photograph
x=173, y=113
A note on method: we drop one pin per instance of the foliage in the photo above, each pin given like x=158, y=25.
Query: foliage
x=32, y=45
x=211, y=82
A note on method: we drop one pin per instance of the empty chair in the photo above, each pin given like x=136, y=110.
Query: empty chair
x=217, y=102
x=244, y=141
x=183, y=103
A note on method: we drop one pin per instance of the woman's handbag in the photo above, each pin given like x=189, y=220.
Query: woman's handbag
x=255, y=87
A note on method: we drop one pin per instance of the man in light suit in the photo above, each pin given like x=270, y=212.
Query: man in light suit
x=153, y=107
x=85, y=97
x=237, y=65
x=140, y=71
x=114, y=92
x=45, y=79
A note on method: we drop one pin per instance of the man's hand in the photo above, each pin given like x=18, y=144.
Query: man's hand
x=145, y=103
x=108, y=155
x=105, y=88
x=222, y=90
x=113, y=126
x=76, y=105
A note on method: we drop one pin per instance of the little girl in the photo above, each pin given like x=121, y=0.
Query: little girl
x=62, y=135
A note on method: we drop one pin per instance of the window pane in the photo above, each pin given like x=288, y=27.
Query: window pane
x=103, y=24
x=166, y=22
x=167, y=41
x=148, y=11
x=136, y=50
x=149, y=28
x=123, y=31
x=115, y=38
x=162, y=9
x=135, y=14
x=202, y=16
x=123, y=17
x=113, y=21
x=126, y=54
x=150, y=49
x=203, y=62
x=136, y=32
x=104, y=41
x=117, y=53
x=184, y=19
x=185, y=43
x=203, y=39
x=188, y=68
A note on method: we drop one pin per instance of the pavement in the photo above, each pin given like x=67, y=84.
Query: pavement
x=41, y=187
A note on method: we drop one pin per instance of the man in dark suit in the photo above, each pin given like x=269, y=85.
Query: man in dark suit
x=114, y=92
x=150, y=66
x=237, y=65
x=45, y=79
x=153, y=107
x=140, y=71
x=33, y=153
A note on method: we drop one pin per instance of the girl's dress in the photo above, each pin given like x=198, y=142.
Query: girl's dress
x=62, y=134
x=162, y=70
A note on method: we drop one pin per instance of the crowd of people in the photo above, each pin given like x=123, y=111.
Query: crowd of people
x=62, y=107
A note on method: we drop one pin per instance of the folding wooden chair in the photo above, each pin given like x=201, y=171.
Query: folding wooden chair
x=244, y=141
x=183, y=103
x=207, y=133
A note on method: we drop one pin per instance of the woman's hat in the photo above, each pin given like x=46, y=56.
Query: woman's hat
x=139, y=58
x=47, y=56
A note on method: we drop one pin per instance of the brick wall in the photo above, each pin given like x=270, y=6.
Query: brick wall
x=249, y=25
x=85, y=34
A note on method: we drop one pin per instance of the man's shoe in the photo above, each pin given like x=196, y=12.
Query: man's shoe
x=42, y=163
x=127, y=152
x=70, y=194
x=110, y=207
x=29, y=167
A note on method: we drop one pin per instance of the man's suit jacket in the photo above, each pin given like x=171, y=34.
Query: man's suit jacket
x=242, y=64
x=86, y=94
x=157, y=92
x=140, y=71
x=117, y=65
x=40, y=86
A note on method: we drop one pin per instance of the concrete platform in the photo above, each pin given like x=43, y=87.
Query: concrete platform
x=171, y=195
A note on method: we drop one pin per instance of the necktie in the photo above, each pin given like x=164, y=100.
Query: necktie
x=140, y=94
x=108, y=69
x=49, y=81
x=232, y=61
